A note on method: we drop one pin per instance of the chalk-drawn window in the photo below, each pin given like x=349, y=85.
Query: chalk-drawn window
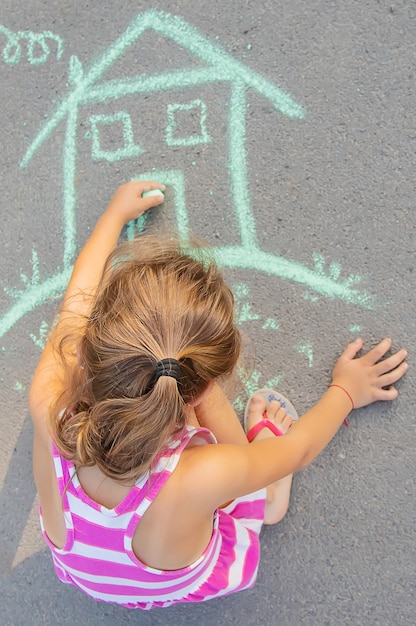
x=187, y=124
x=112, y=137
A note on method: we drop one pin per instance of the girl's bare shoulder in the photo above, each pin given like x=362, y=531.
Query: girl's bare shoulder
x=213, y=473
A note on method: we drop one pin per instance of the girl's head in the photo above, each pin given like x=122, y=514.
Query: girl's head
x=154, y=302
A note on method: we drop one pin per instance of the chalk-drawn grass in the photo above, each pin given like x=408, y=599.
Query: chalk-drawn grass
x=218, y=67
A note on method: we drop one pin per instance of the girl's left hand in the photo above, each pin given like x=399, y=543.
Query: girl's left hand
x=370, y=377
x=128, y=204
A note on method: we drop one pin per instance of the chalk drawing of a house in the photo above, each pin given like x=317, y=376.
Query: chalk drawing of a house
x=218, y=66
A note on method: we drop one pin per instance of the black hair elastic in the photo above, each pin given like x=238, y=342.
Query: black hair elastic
x=168, y=367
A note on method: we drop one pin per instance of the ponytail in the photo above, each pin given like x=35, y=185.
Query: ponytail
x=160, y=329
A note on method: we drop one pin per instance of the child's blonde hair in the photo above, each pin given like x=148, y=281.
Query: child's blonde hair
x=155, y=301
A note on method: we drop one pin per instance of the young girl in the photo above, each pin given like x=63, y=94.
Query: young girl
x=150, y=493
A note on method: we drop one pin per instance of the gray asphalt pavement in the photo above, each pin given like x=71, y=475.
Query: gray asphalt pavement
x=285, y=134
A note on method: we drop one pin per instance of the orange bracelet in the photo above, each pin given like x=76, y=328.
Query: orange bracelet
x=351, y=400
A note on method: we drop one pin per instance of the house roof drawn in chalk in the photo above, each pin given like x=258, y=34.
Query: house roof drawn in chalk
x=88, y=86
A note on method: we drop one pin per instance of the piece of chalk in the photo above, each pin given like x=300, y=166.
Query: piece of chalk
x=153, y=192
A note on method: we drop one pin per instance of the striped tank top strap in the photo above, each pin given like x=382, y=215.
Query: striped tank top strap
x=167, y=461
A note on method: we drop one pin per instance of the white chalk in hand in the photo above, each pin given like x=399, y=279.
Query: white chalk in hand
x=153, y=192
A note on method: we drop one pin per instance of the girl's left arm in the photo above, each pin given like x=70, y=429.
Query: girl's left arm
x=127, y=204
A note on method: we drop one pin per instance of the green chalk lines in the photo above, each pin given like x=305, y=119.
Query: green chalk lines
x=307, y=350
x=244, y=313
x=172, y=138
x=32, y=297
x=87, y=87
x=38, y=46
x=129, y=150
x=40, y=340
x=243, y=309
x=251, y=384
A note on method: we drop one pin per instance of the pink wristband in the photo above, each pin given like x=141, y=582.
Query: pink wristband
x=351, y=400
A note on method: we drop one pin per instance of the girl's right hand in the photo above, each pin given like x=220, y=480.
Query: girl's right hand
x=368, y=378
x=128, y=203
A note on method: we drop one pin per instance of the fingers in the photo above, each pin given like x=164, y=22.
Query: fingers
x=148, y=185
x=393, y=376
x=390, y=393
x=128, y=200
x=389, y=370
x=151, y=201
x=377, y=352
x=372, y=376
x=351, y=350
x=391, y=362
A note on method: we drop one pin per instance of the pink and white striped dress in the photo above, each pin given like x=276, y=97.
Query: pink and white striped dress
x=98, y=556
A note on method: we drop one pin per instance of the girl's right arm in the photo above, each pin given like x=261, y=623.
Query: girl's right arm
x=127, y=204
x=356, y=382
